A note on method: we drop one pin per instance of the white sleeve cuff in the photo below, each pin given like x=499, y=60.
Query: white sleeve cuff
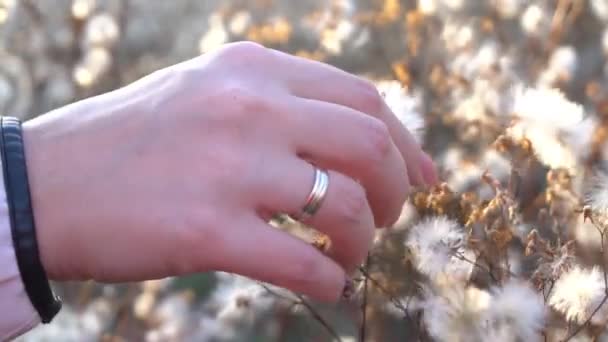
x=18, y=314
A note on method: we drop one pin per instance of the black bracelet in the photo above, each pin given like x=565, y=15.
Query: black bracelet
x=23, y=227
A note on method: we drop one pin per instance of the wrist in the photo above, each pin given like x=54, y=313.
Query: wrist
x=22, y=222
x=41, y=199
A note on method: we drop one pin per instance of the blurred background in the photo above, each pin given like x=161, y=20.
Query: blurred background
x=446, y=63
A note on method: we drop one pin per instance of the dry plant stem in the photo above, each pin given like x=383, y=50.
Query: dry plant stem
x=602, y=242
x=85, y=293
x=364, y=304
x=475, y=264
x=546, y=295
x=603, y=262
x=320, y=318
x=122, y=313
x=582, y=326
x=34, y=12
x=507, y=263
x=316, y=315
x=397, y=303
x=558, y=20
x=285, y=317
x=386, y=292
x=566, y=13
x=382, y=52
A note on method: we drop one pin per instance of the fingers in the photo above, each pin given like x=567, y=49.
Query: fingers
x=345, y=215
x=356, y=145
x=270, y=255
x=315, y=80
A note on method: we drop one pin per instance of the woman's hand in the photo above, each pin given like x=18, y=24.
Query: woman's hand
x=180, y=171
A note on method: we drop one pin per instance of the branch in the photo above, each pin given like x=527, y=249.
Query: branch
x=582, y=326
x=603, y=262
x=396, y=302
x=546, y=296
x=302, y=301
x=364, y=304
x=475, y=264
x=319, y=318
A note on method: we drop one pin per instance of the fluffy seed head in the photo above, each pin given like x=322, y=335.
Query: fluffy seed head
x=597, y=196
x=438, y=247
x=544, y=117
x=404, y=106
x=518, y=309
x=578, y=292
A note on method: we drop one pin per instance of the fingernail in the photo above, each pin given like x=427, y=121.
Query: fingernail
x=349, y=288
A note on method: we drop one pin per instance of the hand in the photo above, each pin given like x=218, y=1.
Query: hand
x=180, y=172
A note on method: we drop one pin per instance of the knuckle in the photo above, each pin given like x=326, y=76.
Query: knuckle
x=305, y=268
x=246, y=46
x=353, y=204
x=192, y=235
x=242, y=100
x=245, y=51
x=231, y=170
x=187, y=73
x=236, y=104
x=377, y=135
x=370, y=100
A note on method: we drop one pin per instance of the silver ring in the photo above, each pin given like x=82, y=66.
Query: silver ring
x=317, y=194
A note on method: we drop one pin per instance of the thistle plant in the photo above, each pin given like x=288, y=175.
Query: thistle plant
x=509, y=96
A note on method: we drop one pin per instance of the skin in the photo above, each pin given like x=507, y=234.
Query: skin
x=180, y=171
